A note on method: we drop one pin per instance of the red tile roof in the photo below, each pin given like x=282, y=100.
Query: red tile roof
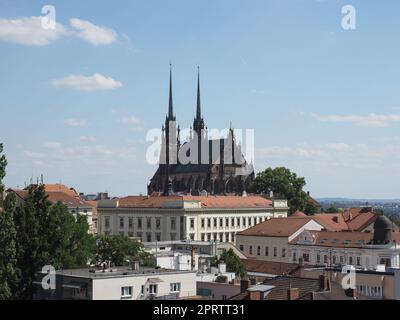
x=299, y=214
x=206, y=201
x=67, y=199
x=353, y=239
x=276, y=227
x=270, y=267
x=355, y=219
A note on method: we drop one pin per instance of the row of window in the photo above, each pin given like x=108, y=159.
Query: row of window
x=221, y=237
x=370, y=291
x=237, y=222
x=147, y=236
x=326, y=260
x=149, y=223
x=126, y=292
x=265, y=251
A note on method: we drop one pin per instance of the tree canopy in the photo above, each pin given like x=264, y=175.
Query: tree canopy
x=283, y=184
x=121, y=250
x=233, y=263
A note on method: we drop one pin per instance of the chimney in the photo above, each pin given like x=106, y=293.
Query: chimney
x=293, y=294
x=244, y=285
x=255, y=295
x=324, y=282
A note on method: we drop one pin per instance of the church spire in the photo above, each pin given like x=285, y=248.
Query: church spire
x=198, y=107
x=198, y=123
x=170, y=105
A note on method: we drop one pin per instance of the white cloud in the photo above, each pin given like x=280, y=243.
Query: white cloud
x=87, y=83
x=29, y=31
x=87, y=138
x=75, y=122
x=95, y=35
x=51, y=145
x=129, y=120
x=370, y=120
x=337, y=146
x=354, y=156
x=34, y=155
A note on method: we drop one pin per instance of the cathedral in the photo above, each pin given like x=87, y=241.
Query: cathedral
x=200, y=165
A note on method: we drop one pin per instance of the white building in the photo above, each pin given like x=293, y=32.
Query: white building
x=301, y=240
x=199, y=218
x=269, y=240
x=119, y=283
x=364, y=250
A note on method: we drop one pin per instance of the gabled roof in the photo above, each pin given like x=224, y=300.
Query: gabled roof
x=298, y=214
x=58, y=187
x=356, y=219
x=276, y=227
x=331, y=221
x=344, y=239
x=67, y=199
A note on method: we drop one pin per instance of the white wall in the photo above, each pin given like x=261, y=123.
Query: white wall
x=110, y=288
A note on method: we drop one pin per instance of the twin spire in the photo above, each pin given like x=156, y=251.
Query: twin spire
x=171, y=115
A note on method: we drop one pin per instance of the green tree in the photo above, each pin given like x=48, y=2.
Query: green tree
x=332, y=209
x=47, y=234
x=310, y=209
x=8, y=238
x=233, y=263
x=283, y=183
x=82, y=244
x=121, y=250
x=29, y=243
x=69, y=242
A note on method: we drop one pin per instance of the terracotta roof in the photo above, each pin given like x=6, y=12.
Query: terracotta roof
x=355, y=219
x=69, y=201
x=314, y=202
x=270, y=267
x=206, y=201
x=306, y=286
x=58, y=187
x=331, y=221
x=361, y=221
x=299, y=214
x=345, y=239
x=276, y=227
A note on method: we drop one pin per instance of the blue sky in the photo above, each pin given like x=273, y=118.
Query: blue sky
x=76, y=103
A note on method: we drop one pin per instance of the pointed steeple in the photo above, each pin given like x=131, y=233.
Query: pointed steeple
x=171, y=104
x=198, y=107
x=198, y=123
